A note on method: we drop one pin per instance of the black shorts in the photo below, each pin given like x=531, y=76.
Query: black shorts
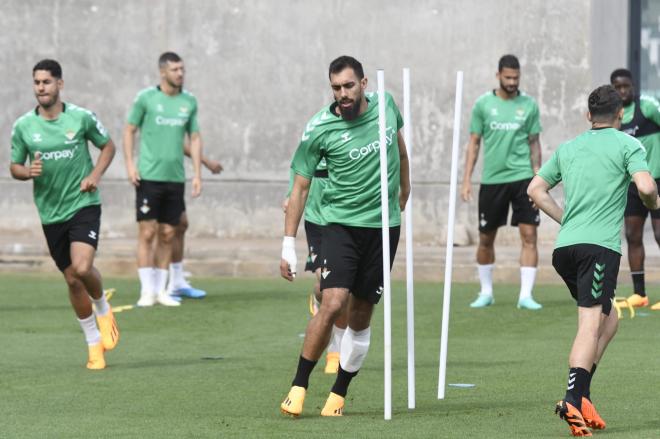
x=590, y=272
x=353, y=259
x=160, y=200
x=634, y=205
x=314, y=233
x=494, y=200
x=83, y=226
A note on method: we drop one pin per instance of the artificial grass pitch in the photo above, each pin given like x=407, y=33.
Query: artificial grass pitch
x=219, y=367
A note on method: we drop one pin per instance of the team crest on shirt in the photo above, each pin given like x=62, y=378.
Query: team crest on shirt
x=493, y=111
x=70, y=134
x=160, y=108
x=36, y=137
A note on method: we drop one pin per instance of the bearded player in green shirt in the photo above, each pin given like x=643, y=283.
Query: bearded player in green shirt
x=54, y=137
x=508, y=121
x=165, y=115
x=641, y=119
x=346, y=134
x=595, y=169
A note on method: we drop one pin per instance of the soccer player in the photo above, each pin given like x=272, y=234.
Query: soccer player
x=54, y=137
x=314, y=223
x=595, y=169
x=178, y=285
x=346, y=134
x=165, y=114
x=508, y=121
x=641, y=119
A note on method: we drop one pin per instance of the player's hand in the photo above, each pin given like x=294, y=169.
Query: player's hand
x=89, y=184
x=214, y=166
x=403, y=199
x=133, y=175
x=289, y=260
x=466, y=191
x=196, y=187
x=36, y=165
x=285, y=204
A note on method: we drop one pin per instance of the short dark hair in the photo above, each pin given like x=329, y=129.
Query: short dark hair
x=344, y=62
x=620, y=73
x=168, y=57
x=604, y=103
x=49, y=65
x=508, y=62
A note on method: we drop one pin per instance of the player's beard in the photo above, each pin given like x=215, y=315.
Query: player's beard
x=48, y=103
x=509, y=89
x=174, y=85
x=352, y=112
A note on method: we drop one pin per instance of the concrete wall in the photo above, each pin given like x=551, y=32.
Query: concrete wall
x=259, y=71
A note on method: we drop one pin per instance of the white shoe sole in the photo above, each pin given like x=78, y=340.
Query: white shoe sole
x=166, y=300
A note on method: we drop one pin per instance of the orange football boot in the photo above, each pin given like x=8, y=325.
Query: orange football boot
x=591, y=416
x=573, y=418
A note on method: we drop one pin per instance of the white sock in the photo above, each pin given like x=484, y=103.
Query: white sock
x=354, y=348
x=177, y=279
x=160, y=280
x=335, y=339
x=91, y=331
x=486, y=278
x=527, y=277
x=101, y=306
x=146, y=275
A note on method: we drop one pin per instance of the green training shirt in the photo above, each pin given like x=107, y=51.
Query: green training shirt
x=595, y=168
x=313, y=204
x=351, y=150
x=163, y=121
x=650, y=108
x=66, y=161
x=505, y=126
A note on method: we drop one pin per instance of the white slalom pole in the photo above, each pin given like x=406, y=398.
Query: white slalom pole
x=385, y=217
x=450, y=236
x=410, y=302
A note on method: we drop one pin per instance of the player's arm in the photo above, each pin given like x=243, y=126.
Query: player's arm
x=535, y=151
x=212, y=165
x=196, y=156
x=22, y=172
x=648, y=191
x=294, y=212
x=90, y=183
x=129, y=138
x=470, y=160
x=404, y=172
x=539, y=191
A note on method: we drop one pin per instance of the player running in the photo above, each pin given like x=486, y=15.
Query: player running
x=641, y=119
x=346, y=134
x=595, y=169
x=54, y=137
x=165, y=114
x=508, y=121
x=314, y=223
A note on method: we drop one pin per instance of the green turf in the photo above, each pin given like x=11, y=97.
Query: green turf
x=158, y=384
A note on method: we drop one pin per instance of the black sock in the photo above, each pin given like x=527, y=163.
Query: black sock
x=305, y=368
x=587, y=388
x=343, y=380
x=577, y=380
x=639, y=286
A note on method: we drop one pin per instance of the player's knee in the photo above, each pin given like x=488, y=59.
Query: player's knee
x=331, y=307
x=166, y=234
x=354, y=349
x=81, y=268
x=183, y=225
x=148, y=233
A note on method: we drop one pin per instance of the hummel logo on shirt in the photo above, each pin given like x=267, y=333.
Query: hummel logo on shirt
x=92, y=234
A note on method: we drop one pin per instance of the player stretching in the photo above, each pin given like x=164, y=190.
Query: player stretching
x=595, y=169
x=346, y=134
x=54, y=137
